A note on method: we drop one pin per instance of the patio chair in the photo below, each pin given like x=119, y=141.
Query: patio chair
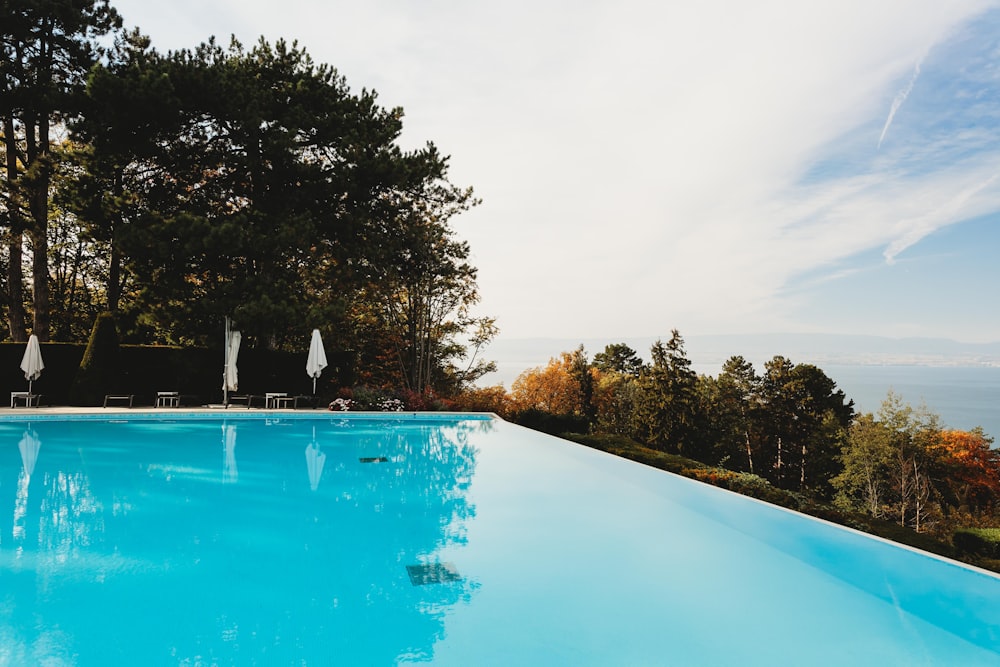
x=242, y=398
x=26, y=397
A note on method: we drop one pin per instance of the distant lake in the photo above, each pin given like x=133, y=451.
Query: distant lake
x=963, y=397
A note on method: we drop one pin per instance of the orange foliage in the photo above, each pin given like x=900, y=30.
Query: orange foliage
x=605, y=388
x=552, y=388
x=973, y=467
x=484, y=399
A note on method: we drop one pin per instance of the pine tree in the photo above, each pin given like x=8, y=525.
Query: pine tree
x=667, y=414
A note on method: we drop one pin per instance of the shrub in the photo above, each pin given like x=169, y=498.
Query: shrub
x=366, y=398
x=982, y=542
x=483, y=399
x=390, y=405
x=415, y=401
x=623, y=446
x=100, y=370
x=547, y=422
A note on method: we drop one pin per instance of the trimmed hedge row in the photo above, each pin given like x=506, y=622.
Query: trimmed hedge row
x=196, y=373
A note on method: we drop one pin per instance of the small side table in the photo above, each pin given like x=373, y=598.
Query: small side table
x=168, y=399
x=272, y=399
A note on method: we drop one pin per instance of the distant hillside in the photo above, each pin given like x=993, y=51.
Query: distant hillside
x=829, y=348
x=707, y=353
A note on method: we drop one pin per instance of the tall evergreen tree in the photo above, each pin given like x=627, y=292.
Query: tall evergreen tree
x=130, y=111
x=735, y=413
x=807, y=420
x=618, y=358
x=667, y=415
x=47, y=49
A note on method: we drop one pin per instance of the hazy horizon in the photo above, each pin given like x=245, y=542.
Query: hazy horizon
x=708, y=352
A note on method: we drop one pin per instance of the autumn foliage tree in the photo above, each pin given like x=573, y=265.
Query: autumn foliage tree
x=616, y=388
x=899, y=464
x=554, y=388
x=971, y=470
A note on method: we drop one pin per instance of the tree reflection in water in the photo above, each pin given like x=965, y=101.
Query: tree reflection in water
x=141, y=542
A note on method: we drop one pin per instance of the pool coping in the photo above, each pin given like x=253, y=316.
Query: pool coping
x=216, y=412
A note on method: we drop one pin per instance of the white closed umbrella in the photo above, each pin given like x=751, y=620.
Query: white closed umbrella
x=229, y=471
x=315, y=459
x=31, y=362
x=29, y=446
x=230, y=376
x=316, y=361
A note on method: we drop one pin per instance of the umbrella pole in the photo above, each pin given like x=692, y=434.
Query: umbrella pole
x=225, y=365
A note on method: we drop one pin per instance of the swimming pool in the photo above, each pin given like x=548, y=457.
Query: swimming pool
x=376, y=540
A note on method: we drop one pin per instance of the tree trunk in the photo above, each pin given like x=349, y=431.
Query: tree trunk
x=746, y=435
x=37, y=148
x=873, y=497
x=113, y=288
x=15, y=280
x=802, y=469
x=904, y=488
x=921, y=495
x=40, y=283
x=777, y=464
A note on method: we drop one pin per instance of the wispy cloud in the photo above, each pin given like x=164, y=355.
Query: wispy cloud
x=897, y=102
x=965, y=204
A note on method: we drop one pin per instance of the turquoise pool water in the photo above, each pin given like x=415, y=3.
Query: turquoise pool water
x=353, y=540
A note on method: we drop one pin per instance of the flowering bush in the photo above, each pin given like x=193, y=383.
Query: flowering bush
x=390, y=405
x=341, y=404
x=741, y=482
x=368, y=398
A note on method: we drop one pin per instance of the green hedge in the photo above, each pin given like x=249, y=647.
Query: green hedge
x=194, y=372
x=547, y=422
x=620, y=445
x=99, y=373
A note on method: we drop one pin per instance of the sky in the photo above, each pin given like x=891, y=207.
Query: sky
x=716, y=167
